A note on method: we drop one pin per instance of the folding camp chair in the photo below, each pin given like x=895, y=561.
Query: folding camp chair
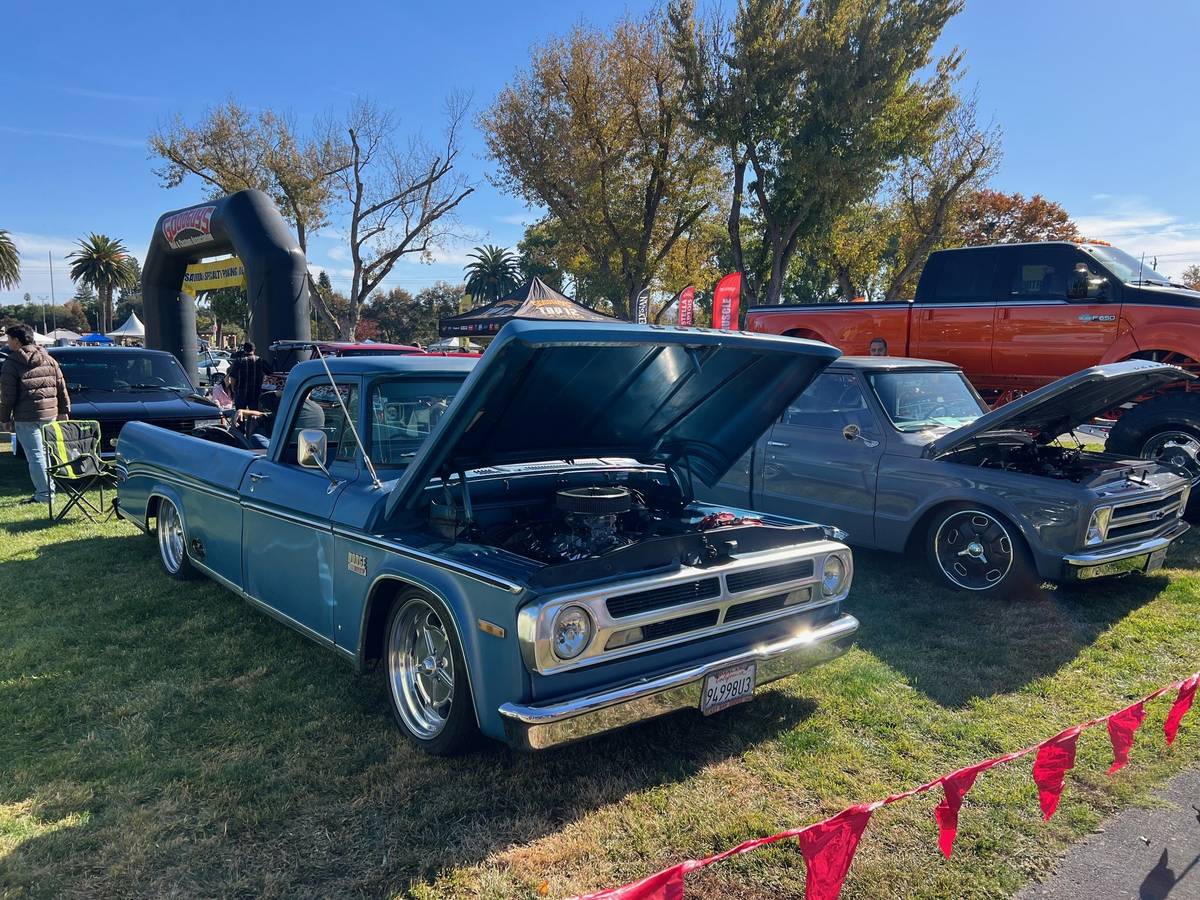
x=73, y=465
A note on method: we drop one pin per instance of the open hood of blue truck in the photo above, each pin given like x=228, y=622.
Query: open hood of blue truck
x=1064, y=405
x=689, y=398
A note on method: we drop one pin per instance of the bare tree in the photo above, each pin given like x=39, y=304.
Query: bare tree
x=929, y=187
x=400, y=201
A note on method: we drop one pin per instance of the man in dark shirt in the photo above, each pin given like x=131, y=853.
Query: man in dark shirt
x=248, y=372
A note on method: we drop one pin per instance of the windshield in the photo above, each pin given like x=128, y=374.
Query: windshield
x=919, y=400
x=1125, y=267
x=100, y=370
x=403, y=413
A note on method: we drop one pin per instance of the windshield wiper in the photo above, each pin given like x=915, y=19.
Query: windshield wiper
x=159, y=387
x=1150, y=281
x=88, y=387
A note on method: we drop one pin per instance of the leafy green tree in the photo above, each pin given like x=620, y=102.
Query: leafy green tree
x=813, y=103
x=993, y=217
x=595, y=133
x=538, y=257
x=228, y=307
x=492, y=272
x=405, y=319
x=102, y=263
x=10, y=262
x=129, y=298
x=1191, y=277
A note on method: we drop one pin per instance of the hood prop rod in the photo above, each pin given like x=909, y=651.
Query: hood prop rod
x=375, y=482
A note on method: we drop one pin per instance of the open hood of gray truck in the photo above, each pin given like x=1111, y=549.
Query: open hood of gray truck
x=1067, y=403
x=689, y=398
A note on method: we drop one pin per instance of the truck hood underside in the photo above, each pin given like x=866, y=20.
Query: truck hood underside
x=1065, y=404
x=692, y=399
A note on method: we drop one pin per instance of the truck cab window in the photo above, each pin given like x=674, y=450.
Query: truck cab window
x=1034, y=272
x=962, y=277
x=833, y=401
x=404, y=412
x=319, y=408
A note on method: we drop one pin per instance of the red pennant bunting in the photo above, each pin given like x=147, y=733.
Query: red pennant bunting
x=828, y=849
x=1187, y=693
x=1121, y=728
x=954, y=788
x=664, y=885
x=1055, y=759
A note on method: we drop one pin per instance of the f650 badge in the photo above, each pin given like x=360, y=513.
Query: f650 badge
x=356, y=563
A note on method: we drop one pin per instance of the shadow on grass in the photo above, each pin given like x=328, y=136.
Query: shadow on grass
x=170, y=737
x=957, y=646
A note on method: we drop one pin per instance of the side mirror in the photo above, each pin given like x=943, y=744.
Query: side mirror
x=312, y=445
x=851, y=431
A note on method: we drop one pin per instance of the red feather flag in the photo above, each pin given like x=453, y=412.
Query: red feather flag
x=726, y=296
x=828, y=849
x=1055, y=759
x=1179, y=709
x=664, y=885
x=1121, y=728
x=954, y=789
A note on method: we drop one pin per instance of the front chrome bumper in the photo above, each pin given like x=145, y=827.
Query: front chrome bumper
x=537, y=727
x=1119, y=560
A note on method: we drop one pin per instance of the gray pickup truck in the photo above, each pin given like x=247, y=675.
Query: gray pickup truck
x=904, y=456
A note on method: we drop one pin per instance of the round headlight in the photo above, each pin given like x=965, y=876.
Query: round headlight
x=572, y=632
x=833, y=576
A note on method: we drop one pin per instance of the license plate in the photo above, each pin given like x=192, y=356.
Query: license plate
x=727, y=688
x=1155, y=560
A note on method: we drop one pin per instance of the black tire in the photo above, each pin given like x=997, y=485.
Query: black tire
x=1149, y=429
x=172, y=543
x=993, y=560
x=445, y=728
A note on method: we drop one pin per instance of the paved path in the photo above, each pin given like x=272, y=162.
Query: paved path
x=1142, y=854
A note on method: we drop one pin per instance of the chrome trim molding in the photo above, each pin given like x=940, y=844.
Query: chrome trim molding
x=392, y=546
x=535, y=621
x=537, y=727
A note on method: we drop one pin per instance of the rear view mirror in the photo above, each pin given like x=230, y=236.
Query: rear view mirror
x=312, y=445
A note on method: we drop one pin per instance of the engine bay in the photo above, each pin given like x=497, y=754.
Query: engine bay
x=1024, y=455
x=587, y=522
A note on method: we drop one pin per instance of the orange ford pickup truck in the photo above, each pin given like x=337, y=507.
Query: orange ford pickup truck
x=1018, y=316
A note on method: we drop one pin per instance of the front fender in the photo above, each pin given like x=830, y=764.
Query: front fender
x=1168, y=335
x=495, y=670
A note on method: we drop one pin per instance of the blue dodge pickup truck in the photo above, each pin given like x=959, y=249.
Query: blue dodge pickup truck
x=515, y=540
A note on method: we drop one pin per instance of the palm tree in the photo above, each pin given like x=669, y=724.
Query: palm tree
x=10, y=262
x=493, y=273
x=103, y=263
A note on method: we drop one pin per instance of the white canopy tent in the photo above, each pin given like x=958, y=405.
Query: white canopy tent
x=40, y=339
x=132, y=330
x=63, y=334
x=461, y=343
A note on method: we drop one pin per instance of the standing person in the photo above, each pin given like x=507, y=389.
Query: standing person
x=248, y=371
x=32, y=393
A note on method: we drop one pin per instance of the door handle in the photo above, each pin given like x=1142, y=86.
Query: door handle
x=256, y=477
x=777, y=444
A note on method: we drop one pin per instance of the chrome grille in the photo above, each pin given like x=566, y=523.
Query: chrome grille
x=685, y=605
x=1143, y=517
x=748, y=581
x=661, y=598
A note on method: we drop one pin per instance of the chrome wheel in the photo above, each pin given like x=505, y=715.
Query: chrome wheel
x=973, y=549
x=170, y=537
x=421, y=668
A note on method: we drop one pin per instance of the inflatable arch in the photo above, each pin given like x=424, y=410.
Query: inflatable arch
x=248, y=225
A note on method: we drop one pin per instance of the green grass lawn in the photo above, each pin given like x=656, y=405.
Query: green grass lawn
x=159, y=738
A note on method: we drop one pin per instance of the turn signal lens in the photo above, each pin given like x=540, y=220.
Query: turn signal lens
x=1097, y=529
x=1183, y=501
x=572, y=632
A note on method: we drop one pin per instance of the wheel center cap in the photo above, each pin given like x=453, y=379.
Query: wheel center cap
x=975, y=549
x=429, y=665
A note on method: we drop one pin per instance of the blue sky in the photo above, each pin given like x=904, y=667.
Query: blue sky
x=1095, y=99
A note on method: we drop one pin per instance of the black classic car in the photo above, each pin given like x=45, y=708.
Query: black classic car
x=115, y=385
x=904, y=455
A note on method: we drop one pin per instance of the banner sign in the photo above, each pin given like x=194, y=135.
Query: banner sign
x=687, y=305
x=214, y=275
x=188, y=227
x=726, y=297
x=828, y=846
x=643, y=306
